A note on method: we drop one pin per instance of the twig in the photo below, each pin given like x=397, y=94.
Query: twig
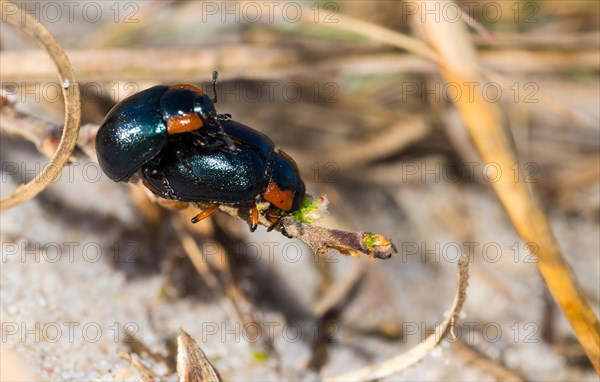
x=392, y=140
x=143, y=64
x=471, y=355
x=195, y=254
x=590, y=40
x=70, y=91
x=320, y=239
x=137, y=346
x=268, y=63
x=38, y=132
x=146, y=373
x=340, y=291
x=417, y=353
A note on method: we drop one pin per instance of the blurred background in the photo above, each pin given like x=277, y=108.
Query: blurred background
x=89, y=263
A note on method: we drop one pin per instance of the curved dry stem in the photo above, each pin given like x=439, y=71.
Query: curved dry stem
x=417, y=353
x=376, y=32
x=70, y=90
x=483, y=119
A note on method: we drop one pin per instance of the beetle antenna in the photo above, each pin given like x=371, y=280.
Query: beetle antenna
x=221, y=117
x=215, y=75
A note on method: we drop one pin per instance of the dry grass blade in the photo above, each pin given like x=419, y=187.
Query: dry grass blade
x=411, y=44
x=146, y=374
x=417, y=353
x=471, y=355
x=376, y=32
x=37, y=132
x=394, y=139
x=340, y=291
x=70, y=91
x=459, y=65
x=137, y=64
x=192, y=364
x=195, y=254
x=268, y=63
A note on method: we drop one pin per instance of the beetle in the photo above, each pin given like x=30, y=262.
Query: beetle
x=202, y=167
x=136, y=129
x=185, y=151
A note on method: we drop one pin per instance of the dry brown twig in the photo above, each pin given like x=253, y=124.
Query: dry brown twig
x=281, y=62
x=192, y=364
x=417, y=353
x=235, y=303
x=472, y=355
x=195, y=254
x=70, y=91
x=320, y=239
x=146, y=373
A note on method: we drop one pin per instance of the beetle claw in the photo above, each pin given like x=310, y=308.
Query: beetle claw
x=285, y=233
x=276, y=224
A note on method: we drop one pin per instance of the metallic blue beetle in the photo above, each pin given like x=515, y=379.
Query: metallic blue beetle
x=185, y=151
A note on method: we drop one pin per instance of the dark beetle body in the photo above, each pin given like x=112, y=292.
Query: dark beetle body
x=206, y=169
x=135, y=130
x=185, y=151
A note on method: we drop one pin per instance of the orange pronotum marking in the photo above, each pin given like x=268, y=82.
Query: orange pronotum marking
x=278, y=197
x=183, y=123
x=188, y=87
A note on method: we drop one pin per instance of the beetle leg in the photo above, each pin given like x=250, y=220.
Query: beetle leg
x=188, y=168
x=276, y=224
x=199, y=139
x=285, y=233
x=167, y=186
x=253, y=218
x=225, y=137
x=205, y=213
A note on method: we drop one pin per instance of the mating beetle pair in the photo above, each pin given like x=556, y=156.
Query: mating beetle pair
x=187, y=152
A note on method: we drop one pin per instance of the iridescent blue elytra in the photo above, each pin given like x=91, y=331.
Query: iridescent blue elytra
x=203, y=167
x=136, y=130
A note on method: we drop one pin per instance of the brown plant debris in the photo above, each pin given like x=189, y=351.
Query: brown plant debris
x=192, y=364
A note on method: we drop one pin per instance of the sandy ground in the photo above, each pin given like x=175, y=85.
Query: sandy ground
x=66, y=303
